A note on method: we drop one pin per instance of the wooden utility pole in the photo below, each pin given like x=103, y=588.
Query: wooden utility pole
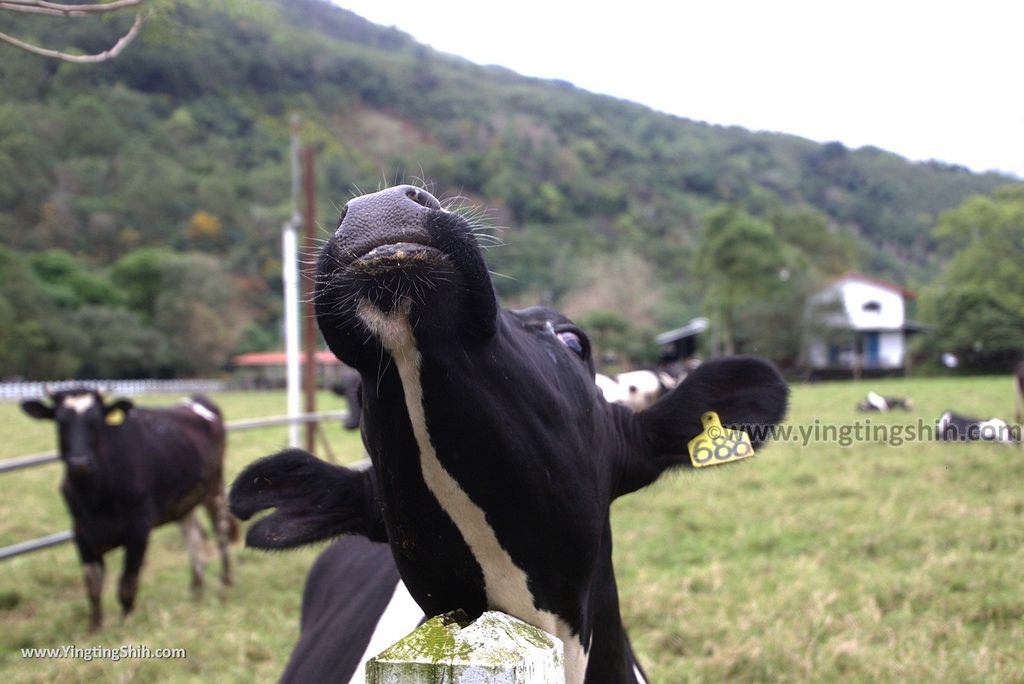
x=309, y=331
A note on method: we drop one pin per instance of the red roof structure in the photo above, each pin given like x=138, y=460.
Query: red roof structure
x=854, y=275
x=279, y=358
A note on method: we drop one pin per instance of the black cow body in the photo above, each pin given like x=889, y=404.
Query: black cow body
x=353, y=607
x=495, y=457
x=954, y=427
x=128, y=470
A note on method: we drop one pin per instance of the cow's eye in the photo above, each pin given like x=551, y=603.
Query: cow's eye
x=575, y=340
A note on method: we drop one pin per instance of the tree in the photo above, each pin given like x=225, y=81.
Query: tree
x=114, y=343
x=986, y=237
x=197, y=313
x=35, y=340
x=741, y=261
x=977, y=304
x=985, y=331
x=190, y=300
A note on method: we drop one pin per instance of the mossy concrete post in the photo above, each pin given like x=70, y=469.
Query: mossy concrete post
x=495, y=648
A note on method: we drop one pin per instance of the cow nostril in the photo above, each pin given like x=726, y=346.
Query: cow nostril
x=422, y=198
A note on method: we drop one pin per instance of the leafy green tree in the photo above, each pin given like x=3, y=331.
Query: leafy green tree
x=740, y=259
x=69, y=284
x=832, y=250
x=114, y=343
x=984, y=330
x=977, y=304
x=139, y=277
x=197, y=314
x=986, y=237
x=36, y=343
x=190, y=300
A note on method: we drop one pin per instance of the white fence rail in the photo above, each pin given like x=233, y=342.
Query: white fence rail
x=16, y=391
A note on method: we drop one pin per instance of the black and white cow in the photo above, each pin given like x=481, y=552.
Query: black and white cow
x=353, y=607
x=953, y=427
x=495, y=457
x=876, y=402
x=128, y=470
x=636, y=389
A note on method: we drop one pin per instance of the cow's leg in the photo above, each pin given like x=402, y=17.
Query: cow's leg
x=134, y=554
x=223, y=526
x=194, y=542
x=92, y=571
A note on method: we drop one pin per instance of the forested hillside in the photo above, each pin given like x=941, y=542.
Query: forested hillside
x=141, y=199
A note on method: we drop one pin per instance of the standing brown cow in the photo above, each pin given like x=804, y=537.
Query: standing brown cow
x=128, y=470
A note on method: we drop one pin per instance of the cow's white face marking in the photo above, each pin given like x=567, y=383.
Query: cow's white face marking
x=505, y=583
x=79, y=403
x=200, y=410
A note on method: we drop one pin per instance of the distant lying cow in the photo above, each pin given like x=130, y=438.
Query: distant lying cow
x=953, y=427
x=876, y=402
x=636, y=389
x=128, y=470
x=495, y=457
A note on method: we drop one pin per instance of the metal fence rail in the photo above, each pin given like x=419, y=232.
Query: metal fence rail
x=36, y=544
x=10, y=465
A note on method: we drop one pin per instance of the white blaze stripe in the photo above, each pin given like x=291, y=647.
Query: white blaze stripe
x=639, y=677
x=200, y=410
x=79, y=403
x=400, y=617
x=505, y=583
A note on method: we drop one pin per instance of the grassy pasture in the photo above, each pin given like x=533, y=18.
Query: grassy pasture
x=815, y=562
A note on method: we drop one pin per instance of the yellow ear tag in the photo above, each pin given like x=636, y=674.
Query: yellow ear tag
x=115, y=417
x=717, y=445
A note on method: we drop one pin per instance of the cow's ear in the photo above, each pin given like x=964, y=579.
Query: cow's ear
x=746, y=393
x=38, y=409
x=313, y=501
x=114, y=414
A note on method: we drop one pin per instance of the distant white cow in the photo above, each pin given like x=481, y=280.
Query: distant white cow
x=876, y=402
x=636, y=389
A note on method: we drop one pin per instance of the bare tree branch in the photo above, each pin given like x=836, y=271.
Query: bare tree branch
x=65, y=10
x=113, y=52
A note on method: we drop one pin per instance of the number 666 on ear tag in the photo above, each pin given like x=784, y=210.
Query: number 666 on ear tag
x=717, y=445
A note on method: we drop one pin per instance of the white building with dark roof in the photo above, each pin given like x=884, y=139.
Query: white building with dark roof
x=861, y=327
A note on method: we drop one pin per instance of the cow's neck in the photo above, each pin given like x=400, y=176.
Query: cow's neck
x=506, y=585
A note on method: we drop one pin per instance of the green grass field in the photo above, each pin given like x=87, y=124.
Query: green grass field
x=808, y=563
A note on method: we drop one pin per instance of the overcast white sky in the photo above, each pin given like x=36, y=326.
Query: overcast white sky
x=927, y=80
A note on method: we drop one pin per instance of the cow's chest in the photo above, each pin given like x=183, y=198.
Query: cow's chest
x=506, y=584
